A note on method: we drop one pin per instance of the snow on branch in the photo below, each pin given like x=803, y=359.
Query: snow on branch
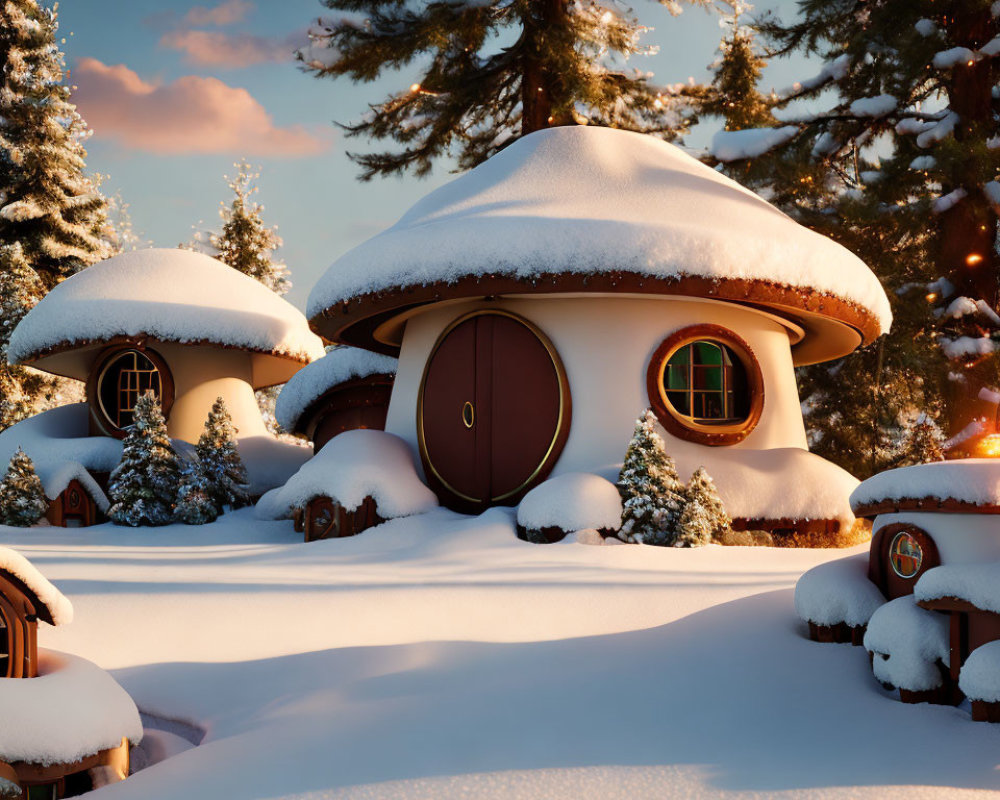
x=878, y=106
x=750, y=143
x=833, y=71
x=949, y=201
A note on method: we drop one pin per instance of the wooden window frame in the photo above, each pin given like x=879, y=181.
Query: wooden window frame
x=104, y=362
x=879, y=567
x=683, y=426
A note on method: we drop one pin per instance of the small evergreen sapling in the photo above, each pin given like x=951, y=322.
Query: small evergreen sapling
x=923, y=442
x=194, y=500
x=652, y=493
x=22, y=498
x=144, y=484
x=220, y=460
x=704, y=518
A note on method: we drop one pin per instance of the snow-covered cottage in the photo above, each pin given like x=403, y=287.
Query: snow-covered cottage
x=67, y=730
x=174, y=322
x=541, y=301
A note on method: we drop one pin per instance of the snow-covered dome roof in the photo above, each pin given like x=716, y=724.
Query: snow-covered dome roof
x=166, y=294
x=340, y=365
x=971, y=485
x=586, y=209
x=50, y=604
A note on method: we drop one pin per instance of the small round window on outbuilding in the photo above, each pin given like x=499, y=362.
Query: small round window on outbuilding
x=121, y=378
x=705, y=385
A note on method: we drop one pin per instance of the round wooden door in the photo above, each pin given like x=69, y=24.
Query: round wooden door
x=494, y=411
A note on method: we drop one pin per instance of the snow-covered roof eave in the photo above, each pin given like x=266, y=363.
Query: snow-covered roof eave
x=970, y=485
x=51, y=605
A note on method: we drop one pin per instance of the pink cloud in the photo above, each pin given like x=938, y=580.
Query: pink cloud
x=188, y=115
x=216, y=48
x=225, y=13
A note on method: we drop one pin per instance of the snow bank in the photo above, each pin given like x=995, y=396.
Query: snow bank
x=586, y=200
x=169, y=294
x=978, y=584
x=59, y=607
x=270, y=462
x=309, y=383
x=352, y=466
x=574, y=501
x=838, y=591
x=972, y=480
x=908, y=642
x=72, y=710
x=979, y=678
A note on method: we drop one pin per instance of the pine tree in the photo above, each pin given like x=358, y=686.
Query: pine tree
x=47, y=203
x=492, y=70
x=922, y=442
x=220, y=459
x=703, y=518
x=194, y=500
x=144, y=485
x=652, y=493
x=22, y=497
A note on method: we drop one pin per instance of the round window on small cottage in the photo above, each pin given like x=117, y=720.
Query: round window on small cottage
x=905, y=555
x=705, y=385
x=121, y=379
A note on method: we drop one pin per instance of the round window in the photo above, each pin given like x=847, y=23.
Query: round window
x=706, y=386
x=124, y=377
x=905, y=555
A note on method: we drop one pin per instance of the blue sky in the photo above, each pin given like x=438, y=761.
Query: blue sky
x=143, y=65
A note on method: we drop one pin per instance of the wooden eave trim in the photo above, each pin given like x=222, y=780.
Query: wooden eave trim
x=307, y=418
x=952, y=603
x=32, y=772
x=947, y=505
x=811, y=525
x=354, y=320
x=42, y=611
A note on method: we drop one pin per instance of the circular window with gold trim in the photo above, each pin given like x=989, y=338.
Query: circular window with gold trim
x=705, y=385
x=122, y=376
x=905, y=555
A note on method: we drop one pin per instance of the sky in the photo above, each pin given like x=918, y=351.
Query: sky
x=176, y=91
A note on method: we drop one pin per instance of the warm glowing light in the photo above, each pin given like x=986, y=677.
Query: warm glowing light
x=606, y=17
x=989, y=446
x=415, y=87
x=973, y=258
x=969, y=63
x=931, y=297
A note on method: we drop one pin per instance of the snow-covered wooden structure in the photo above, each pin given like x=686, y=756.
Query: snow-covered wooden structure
x=541, y=301
x=67, y=729
x=179, y=324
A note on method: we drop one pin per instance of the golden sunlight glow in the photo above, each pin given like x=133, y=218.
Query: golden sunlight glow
x=931, y=297
x=989, y=446
x=973, y=258
x=415, y=87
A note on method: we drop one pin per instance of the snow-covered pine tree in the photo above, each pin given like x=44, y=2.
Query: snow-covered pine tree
x=22, y=497
x=47, y=203
x=652, y=492
x=492, y=70
x=922, y=442
x=220, y=459
x=194, y=501
x=703, y=518
x=144, y=485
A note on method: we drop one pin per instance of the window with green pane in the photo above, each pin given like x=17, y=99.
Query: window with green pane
x=706, y=382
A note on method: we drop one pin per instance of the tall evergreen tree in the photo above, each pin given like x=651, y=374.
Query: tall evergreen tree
x=220, y=460
x=492, y=70
x=144, y=485
x=22, y=498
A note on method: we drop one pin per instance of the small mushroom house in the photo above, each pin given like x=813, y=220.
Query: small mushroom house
x=66, y=724
x=540, y=302
x=182, y=325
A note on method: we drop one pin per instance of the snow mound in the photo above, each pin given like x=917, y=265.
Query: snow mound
x=574, y=501
x=352, y=466
x=58, y=437
x=908, y=642
x=59, y=608
x=338, y=366
x=838, y=591
x=169, y=294
x=72, y=710
x=974, y=480
x=978, y=584
x=979, y=678
x=270, y=462
x=589, y=200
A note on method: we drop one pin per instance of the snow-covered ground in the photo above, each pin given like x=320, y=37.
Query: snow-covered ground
x=440, y=657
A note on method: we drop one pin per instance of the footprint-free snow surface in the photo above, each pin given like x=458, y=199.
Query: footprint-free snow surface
x=440, y=657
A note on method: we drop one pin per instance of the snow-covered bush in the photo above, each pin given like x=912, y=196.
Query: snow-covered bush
x=838, y=592
x=22, y=498
x=220, y=462
x=703, y=518
x=144, y=484
x=980, y=675
x=908, y=644
x=195, y=505
x=651, y=491
x=572, y=502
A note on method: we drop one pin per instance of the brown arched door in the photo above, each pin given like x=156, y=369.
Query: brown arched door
x=494, y=411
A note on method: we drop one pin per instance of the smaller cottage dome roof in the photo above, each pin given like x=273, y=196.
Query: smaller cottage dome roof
x=170, y=295
x=595, y=210
x=50, y=604
x=971, y=485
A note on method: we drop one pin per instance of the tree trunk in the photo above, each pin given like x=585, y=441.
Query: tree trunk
x=539, y=82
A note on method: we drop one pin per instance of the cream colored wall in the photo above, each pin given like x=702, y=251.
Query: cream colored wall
x=605, y=344
x=202, y=374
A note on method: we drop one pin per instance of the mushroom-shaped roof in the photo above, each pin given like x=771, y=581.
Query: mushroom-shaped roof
x=340, y=365
x=50, y=604
x=970, y=485
x=170, y=295
x=585, y=209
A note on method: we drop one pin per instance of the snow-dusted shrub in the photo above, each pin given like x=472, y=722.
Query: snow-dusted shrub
x=22, y=497
x=220, y=462
x=195, y=505
x=980, y=675
x=703, y=518
x=838, y=592
x=572, y=502
x=651, y=491
x=908, y=643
